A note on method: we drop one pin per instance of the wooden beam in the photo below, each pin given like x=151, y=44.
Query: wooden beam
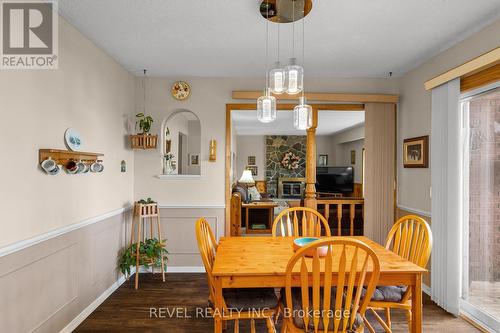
x=324, y=97
x=485, y=60
x=289, y=107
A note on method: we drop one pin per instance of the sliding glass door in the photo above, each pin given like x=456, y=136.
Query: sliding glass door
x=481, y=216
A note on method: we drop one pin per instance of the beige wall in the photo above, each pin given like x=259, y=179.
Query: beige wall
x=208, y=101
x=89, y=92
x=342, y=143
x=251, y=145
x=414, y=114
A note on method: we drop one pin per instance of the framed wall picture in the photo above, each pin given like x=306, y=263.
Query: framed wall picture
x=416, y=152
x=323, y=160
x=194, y=159
x=353, y=157
x=251, y=160
x=253, y=168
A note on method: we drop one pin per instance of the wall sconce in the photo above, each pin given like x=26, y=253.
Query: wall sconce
x=213, y=151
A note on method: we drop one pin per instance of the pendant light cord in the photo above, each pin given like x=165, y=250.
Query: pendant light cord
x=293, y=29
x=144, y=92
x=267, y=47
x=303, y=51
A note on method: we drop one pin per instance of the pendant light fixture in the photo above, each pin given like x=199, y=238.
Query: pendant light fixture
x=277, y=75
x=294, y=74
x=302, y=113
x=266, y=105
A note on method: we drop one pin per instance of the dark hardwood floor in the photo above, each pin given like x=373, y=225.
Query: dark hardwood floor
x=128, y=310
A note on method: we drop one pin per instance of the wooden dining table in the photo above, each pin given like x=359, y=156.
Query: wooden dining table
x=259, y=262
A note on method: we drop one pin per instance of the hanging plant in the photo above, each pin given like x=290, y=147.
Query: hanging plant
x=151, y=251
x=143, y=122
x=290, y=161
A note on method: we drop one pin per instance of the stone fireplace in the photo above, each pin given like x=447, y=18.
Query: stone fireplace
x=276, y=147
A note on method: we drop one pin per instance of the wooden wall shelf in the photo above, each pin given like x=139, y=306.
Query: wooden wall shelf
x=143, y=141
x=64, y=156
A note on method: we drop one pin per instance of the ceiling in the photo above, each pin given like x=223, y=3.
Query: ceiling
x=225, y=38
x=329, y=122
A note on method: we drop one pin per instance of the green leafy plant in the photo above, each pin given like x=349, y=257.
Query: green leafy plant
x=144, y=122
x=146, y=201
x=151, y=251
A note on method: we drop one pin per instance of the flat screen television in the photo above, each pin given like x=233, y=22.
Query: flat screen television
x=335, y=179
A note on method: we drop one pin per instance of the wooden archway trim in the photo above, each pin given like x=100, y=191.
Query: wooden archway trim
x=310, y=191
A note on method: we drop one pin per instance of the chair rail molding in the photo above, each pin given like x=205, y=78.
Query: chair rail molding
x=23, y=244
x=191, y=206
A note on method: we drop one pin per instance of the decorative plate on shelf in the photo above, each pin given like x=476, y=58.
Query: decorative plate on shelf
x=180, y=90
x=73, y=139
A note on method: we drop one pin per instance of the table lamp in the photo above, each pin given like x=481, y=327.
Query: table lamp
x=247, y=179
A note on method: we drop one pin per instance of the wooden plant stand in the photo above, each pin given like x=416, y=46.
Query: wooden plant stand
x=142, y=214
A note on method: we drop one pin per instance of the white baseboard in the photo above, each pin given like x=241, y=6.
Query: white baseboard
x=176, y=269
x=92, y=306
x=426, y=289
x=414, y=210
x=186, y=269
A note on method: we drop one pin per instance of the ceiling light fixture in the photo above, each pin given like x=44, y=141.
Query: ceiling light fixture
x=302, y=113
x=266, y=104
x=294, y=74
x=277, y=75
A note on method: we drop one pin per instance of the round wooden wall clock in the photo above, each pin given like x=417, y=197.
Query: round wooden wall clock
x=180, y=90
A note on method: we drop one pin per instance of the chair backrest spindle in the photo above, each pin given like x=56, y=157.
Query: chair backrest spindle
x=308, y=224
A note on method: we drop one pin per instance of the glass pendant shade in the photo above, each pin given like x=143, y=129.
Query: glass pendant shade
x=266, y=108
x=277, y=80
x=294, y=78
x=302, y=115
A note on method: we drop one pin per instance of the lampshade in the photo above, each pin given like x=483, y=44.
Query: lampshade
x=246, y=177
x=266, y=108
x=294, y=78
x=302, y=115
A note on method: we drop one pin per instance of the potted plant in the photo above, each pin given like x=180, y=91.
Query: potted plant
x=168, y=167
x=151, y=251
x=144, y=123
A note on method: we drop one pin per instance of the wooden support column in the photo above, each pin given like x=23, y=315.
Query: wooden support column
x=310, y=191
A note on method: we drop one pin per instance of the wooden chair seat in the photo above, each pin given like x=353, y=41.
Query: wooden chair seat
x=297, y=306
x=247, y=299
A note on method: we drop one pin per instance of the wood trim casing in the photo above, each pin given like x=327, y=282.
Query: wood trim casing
x=479, y=79
x=324, y=97
x=479, y=63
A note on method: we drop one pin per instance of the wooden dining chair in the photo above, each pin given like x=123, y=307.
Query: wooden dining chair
x=300, y=222
x=411, y=238
x=329, y=298
x=251, y=303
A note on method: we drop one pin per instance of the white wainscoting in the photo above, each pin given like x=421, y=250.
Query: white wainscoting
x=46, y=282
x=178, y=228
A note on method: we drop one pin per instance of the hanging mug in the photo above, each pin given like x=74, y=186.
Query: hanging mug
x=50, y=166
x=72, y=167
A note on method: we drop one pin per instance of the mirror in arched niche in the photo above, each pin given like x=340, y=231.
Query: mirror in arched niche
x=181, y=144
